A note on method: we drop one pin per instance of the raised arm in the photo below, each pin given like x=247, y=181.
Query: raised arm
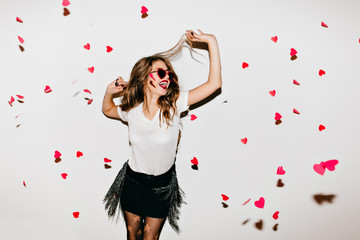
x=108, y=105
x=214, y=82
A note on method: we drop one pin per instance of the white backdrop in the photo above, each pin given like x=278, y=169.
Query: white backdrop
x=63, y=121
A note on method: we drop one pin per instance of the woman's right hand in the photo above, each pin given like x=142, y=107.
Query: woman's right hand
x=113, y=89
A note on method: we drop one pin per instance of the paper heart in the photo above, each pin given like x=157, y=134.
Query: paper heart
x=296, y=82
x=87, y=90
x=225, y=205
x=19, y=20
x=57, y=160
x=194, y=161
x=90, y=101
x=276, y=215
x=280, y=171
x=224, y=197
x=144, y=10
x=321, y=72
x=76, y=214
x=260, y=203
x=47, y=89
x=293, y=52
x=319, y=168
x=21, y=39
x=87, y=46
x=245, y=65
x=280, y=183
x=275, y=228
x=107, y=160
x=65, y=3
x=246, y=202
x=277, y=116
x=66, y=12
x=193, y=117
x=24, y=183
x=12, y=99
x=79, y=154
x=107, y=166
x=321, y=127
x=324, y=24
x=19, y=96
x=274, y=39
x=330, y=165
x=57, y=154
x=296, y=111
x=195, y=167
x=272, y=93
x=244, y=140
x=91, y=69
x=108, y=49
x=259, y=224
x=64, y=175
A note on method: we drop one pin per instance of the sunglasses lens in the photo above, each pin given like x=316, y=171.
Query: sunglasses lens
x=171, y=76
x=161, y=73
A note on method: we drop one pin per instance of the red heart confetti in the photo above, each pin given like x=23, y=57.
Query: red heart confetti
x=64, y=175
x=87, y=46
x=321, y=72
x=47, y=89
x=293, y=52
x=76, y=214
x=21, y=39
x=12, y=99
x=65, y=3
x=296, y=111
x=280, y=171
x=107, y=160
x=108, y=49
x=193, y=117
x=87, y=90
x=91, y=69
x=321, y=127
x=324, y=24
x=245, y=65
x=330, y=165
x=277, y=116
x=24, y=183
x=272, y=93
x=90, y=101
x=244, y=140
x=319, y=168
x=246, y=202
x=276, y=215
x=144, y=10
x=194, y=161
x=260, y=203
x=79, y=154
x=57, y=154
x=296, y=82
x=224, y=197
x=274, y=39
x=19, y=20
x=19, y=96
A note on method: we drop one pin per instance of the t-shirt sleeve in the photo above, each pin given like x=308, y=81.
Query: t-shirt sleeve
x=182, y=102
x=122, y=114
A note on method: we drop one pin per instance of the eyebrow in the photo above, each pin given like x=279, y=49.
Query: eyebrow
x=161, y=67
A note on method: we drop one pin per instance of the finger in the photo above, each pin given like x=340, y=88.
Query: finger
x=200, y=31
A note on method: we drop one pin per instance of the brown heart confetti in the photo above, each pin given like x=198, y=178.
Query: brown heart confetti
x=195, y=167
x=259, y=224
x=275, y=227
x=280, y=183
x=277, y=122
x=144, y=15
x=57, y=160
x=293, y=57
x=107, y=166
x=66, y=12
x=244, y=222
x=320, y=198
x=21, y=48
x=225, y=205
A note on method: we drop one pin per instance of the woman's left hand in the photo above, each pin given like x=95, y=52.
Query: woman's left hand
x=202, y=37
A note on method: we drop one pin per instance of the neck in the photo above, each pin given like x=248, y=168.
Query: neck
x=151, y=100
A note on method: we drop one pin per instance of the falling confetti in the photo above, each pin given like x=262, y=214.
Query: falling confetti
x=66, y=12
x=65, y=3
x=224, y=205
x=193, y=117
x=87, y=90
x=246, y=202
x=259, y=224
x=194, y=161
x=272, y=93
x=21, y=39
x=246, y=221
x=245, y=65
x=276, y=215
x=12, y=99
x=109, y=49
x=107, y=166
x=144, y=11
x=91, y=69
x=324, y=24
x=330, y=165
x=277, y=116
x=21, y=48
x=224, y=197
x=76, y=214
x=24, y=183
x=321, y=72
x=64, y=175
x=90, y=101
x=275, y=228
x=293, y=52
x=321, y=127
x=19, y=20
x=107, y=160
x=87, y=46
x=47, y=89
x=296, y=111
x=280, y=171
x=244, y=140
x=260, y=203
x=57, y=156
x=280, y=183
x=296, y=82
x=320, y=198
x=79, y=154
x=274, y=39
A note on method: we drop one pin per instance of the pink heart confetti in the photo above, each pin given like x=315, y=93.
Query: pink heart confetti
x=91, y=69
x=87, y=46
x=245, y=65
x=330, y=165
x=47, y=89
x=19, y=20
x=90, y=101
x=144, y=10
x=65, y=3
x=260, y=203
x=107, y=160
x=194, y=161
x=246, y=202
x=18, y=115
x=87, y=90
x=296, y=111
x=277, y=116
x=324, y=24
x=224, y=197
x=57, y=154
x=321, y=127
x=64, y=175
x=293, y=52
x=321, y=72
x=79, y=154
x=24, y=183
x=280, y=171
x=76, y=214
x=193, y=117
x=276, y=215
x=244, y=140
x=12, y=99
x=296, y=82
x=19, y=96
x=272, y=93
x=108, y=49
x=21, y=39
x=274, y=39
x=319, y=168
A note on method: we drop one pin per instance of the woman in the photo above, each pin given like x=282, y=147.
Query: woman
x=146, y=190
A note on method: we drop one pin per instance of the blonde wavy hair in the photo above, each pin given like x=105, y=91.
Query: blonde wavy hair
x=135, y=92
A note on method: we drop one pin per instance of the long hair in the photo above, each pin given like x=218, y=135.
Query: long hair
x=135, y=92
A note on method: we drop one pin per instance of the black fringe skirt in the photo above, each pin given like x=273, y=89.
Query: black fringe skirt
x=145, y=195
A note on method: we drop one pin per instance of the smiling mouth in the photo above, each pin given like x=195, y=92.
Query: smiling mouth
x=163, y=84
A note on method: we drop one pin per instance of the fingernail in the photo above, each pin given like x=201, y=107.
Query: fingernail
x=124, y=87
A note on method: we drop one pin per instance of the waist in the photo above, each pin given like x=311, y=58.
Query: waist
x=149, y=177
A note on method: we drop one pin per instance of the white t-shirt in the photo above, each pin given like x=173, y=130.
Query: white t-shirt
x=152, y=148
